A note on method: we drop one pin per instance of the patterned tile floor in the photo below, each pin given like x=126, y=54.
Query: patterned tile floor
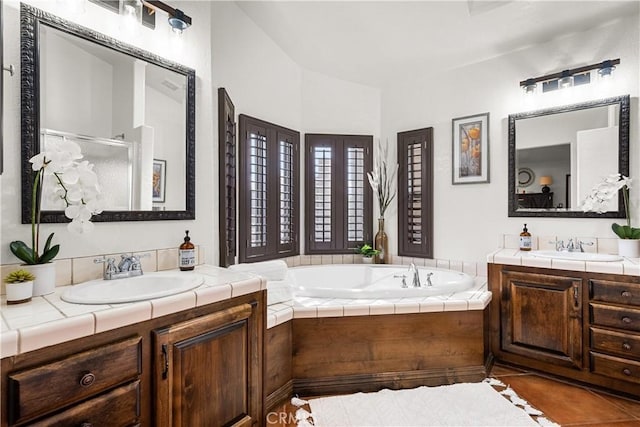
x=566, y=404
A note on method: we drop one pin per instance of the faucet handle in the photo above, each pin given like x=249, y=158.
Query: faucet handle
x=429, y=278
x=403, y=277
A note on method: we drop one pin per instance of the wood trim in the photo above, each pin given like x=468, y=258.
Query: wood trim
x=392, y=380
x=279, y=396
x=226, y=179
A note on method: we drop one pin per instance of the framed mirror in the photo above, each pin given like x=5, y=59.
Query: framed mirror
x=557, y=155
x=131, y=112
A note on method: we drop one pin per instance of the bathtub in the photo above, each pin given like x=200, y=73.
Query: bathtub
x=361, y=281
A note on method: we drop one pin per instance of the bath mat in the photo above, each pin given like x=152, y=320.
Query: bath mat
x=466, y=404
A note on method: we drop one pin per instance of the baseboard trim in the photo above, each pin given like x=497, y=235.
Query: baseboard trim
x=391, y=380
x=279, y=396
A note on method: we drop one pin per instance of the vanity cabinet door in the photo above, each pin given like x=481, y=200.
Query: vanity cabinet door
x=541, y=317
x=207, y=370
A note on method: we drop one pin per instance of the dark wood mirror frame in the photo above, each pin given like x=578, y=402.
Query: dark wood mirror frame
x=623, y=157
x=30, y=20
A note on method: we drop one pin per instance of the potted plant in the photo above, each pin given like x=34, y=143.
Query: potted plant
x=596, y=201
x=19, y=286
x=71, y=185
x=367, y=253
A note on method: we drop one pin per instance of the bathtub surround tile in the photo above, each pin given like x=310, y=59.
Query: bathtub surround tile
x=246, y=286
x=8, y=343
x=300, y=312
x=419, y=262
x=482, y=269
x=605, y=267
x=63, y=271
x=167, y=259
x=210, y=294
x=271, y=321
x=356, y=310
x=336, y=259
x=431, y=305
x=305, y=259
x=316, y=259
x=470, y=268
x=607, y=245
x=533, y=261
x=381, y=307
x=85, y=269
x=442, y=263
x=430, y=263
x=456, y=305
x=284, y=316
x=334, y=311
x=122, y=315
x=456, y=266
x=407, y=307
x=480, y=302
x=326, y=259
x=348, y=258
x=296, y=260
x=173, y=303
x=44, y=335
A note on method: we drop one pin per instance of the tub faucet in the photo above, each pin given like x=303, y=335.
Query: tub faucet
x=415, y=281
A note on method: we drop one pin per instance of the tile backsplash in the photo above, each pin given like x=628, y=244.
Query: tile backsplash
x=602, y=245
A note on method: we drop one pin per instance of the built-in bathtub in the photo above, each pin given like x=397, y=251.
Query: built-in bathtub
x=361, y=281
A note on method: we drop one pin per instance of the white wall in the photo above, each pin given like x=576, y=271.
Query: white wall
x=193, y=49
x=468, y=218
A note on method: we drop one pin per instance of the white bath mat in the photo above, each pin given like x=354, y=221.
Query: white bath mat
x=467, y=404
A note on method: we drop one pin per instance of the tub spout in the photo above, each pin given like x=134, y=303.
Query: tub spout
x=415, y=281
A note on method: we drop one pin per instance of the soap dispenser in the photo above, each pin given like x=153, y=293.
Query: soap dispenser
x=187, y=254
x=525, y=239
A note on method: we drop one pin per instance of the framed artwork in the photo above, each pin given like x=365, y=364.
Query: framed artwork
x=159, y=180
x=470, y=149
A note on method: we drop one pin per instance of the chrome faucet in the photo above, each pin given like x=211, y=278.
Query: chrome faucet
x=129, y=266
x=415, y=281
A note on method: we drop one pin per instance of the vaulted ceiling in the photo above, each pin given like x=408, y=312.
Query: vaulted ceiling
x=373, y=42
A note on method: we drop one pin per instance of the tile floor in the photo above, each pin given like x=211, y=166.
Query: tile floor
x=566, y=404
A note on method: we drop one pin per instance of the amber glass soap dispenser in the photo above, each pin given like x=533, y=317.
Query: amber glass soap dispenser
x=525, y=239
x=187, y=254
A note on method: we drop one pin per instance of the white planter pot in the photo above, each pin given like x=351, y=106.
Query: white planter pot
x=45, y=282
x=367, y=260
x=629, y=248
x=19, y=292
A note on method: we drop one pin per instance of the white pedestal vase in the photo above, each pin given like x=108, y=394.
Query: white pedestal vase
x=629, y=248
x=45, y=282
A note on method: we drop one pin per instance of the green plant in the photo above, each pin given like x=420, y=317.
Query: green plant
x=19, y=276
x=367, y=251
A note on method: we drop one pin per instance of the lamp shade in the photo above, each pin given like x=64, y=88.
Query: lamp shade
x=546, y=180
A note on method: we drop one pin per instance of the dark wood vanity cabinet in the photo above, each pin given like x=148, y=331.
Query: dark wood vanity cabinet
x=197, y=367
x=207, y=369
x=535, y=200
x=579, y=325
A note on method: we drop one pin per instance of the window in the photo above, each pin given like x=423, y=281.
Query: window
x=338, y=196
x=415, y=193
x=269, y=181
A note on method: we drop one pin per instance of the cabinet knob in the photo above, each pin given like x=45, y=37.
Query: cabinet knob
x=86, y=425
x=87, y=379
x=626, y=320
x=626, y=294
x=626, y=346
x=626, y=371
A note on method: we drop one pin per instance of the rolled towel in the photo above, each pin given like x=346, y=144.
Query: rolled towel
x=270, y=270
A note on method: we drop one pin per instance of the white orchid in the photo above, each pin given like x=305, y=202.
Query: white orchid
x=381, y=181
x=68, y=184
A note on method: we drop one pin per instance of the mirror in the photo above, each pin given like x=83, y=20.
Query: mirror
x=131, y=112
x=557, y=155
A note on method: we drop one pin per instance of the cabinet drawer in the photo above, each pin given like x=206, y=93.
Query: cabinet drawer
x=73, y=379
x=623, y=344
x=119, y=407
x=618, y=317
x=614, y=367
x=617, y=292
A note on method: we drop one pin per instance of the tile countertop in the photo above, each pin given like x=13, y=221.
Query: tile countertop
x=48, y=320
x=510, y=256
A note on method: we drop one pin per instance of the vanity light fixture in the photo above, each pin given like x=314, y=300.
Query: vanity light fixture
x=177, y=19
x=571, y=77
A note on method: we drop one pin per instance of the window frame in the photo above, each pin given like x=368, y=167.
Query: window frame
x=425, y=248
x=340, y=144
x=273, y=248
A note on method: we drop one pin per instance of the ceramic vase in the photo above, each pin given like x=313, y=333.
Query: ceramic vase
x=19, y=292
x=381, y=243
x=45, y=282
x=629, y=248
x=367, y=260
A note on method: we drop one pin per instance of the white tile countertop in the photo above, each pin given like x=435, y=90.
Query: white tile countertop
x=476, y=298
x=511, y=256
x=48, y=320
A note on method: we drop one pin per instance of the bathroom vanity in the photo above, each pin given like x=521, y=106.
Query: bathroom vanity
x=181, y=368
x=582, y=325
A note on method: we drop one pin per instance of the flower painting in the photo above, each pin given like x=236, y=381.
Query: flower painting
x=159, y=180
x=471, y=149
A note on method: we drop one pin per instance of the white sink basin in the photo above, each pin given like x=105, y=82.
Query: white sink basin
x=577, y=256
x=139, y=288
